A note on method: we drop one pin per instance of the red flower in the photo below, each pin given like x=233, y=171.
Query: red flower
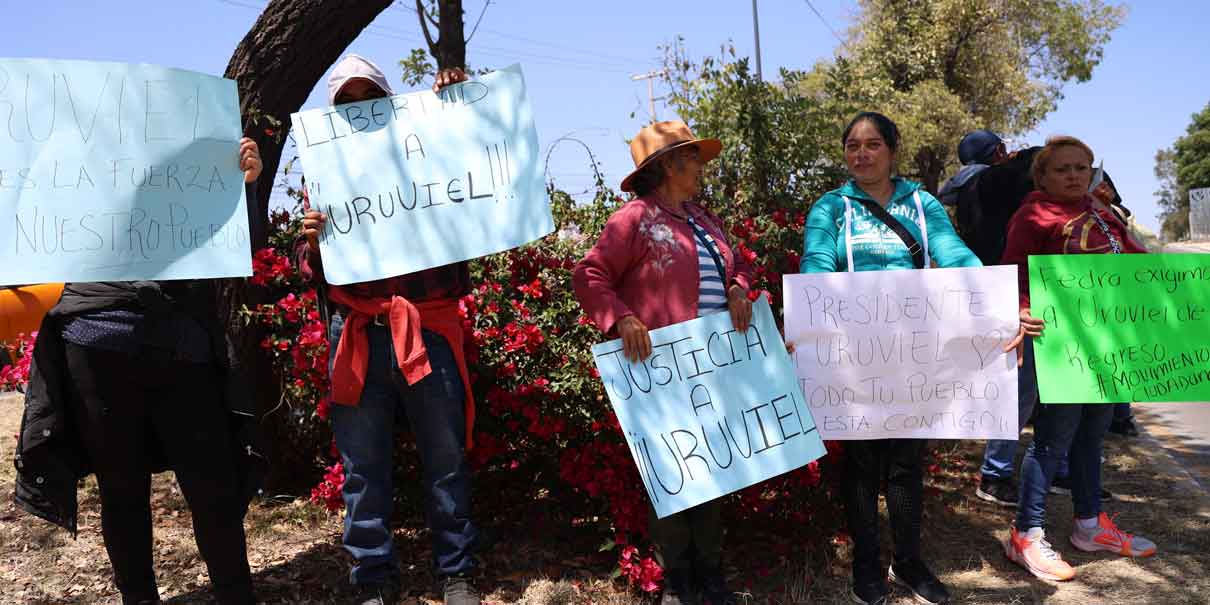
x=528, y=338
x=779, y=217
x=533, y=289
x=269, y=267
x=17, y=374
x=327, y=493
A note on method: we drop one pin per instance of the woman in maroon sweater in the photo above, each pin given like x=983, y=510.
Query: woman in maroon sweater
x=663, y=259
x=1062, y=218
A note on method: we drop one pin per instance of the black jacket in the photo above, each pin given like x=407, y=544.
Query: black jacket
x=50, y=457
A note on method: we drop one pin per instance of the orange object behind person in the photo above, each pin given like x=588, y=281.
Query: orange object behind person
x=22, y=308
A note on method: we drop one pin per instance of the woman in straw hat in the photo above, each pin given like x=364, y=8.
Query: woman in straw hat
x=663, y=259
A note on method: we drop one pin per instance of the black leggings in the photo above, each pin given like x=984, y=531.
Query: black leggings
x=127, y=406
x=867, y=463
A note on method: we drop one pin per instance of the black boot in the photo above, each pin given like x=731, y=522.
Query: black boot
x=869, y=585
x=712, y=584
x=678, y=588
x=915, y=576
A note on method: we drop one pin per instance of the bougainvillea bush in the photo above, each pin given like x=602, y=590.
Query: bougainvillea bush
x=547, y=443
x=15, y=375
x=545, y=433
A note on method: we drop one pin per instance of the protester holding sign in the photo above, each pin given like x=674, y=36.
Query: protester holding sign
x=1062, y=218
x=663, y=259
x=134, y=377
x=877, y=222
x=396, y=353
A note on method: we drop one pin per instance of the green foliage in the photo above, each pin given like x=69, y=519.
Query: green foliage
x=781, y=152
x=1185, y=166
x=943, y=67
x=416, y=67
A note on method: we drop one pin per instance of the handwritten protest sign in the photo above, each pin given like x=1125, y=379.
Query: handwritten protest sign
x=422, y=180
x=711, y=411
x=1122, y=327
x=906, y=354
x=117, y=172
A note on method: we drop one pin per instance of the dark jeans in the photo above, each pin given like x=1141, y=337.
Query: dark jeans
x=1121, y=412
x=1059, y=429
x=365, y=436
x=127, y=406
x=691, y=541
x=866, y=464
x=1000, y=454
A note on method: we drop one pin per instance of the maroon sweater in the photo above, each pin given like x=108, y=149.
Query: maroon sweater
x=1045, y=225
x=645, y=264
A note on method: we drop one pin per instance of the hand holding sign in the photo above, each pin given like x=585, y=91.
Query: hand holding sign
x=710, y=409
x=906, y=354
x=249, y=159
x=416, y=181
x=116, y=172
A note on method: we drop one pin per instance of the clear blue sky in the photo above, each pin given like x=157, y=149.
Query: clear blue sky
x=579, y=56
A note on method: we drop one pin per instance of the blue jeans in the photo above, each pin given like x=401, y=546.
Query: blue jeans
x=1058, y=430
x=365, y=436
x=1000, y=453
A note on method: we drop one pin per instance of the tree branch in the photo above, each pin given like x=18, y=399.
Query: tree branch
x=424, y=19
x=478, y=21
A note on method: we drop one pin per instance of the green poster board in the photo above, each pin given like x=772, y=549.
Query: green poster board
x=1130, y=327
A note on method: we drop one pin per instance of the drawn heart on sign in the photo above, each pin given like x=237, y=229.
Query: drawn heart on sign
x=987, y=346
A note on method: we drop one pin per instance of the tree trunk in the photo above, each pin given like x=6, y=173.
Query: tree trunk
x=277, y=64
x=450, y=48
x=289, y=48
x=929, y=168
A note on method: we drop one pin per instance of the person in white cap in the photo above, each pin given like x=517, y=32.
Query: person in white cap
x=373, y=389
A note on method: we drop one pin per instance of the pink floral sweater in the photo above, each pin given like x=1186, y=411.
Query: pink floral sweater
x=646, y=265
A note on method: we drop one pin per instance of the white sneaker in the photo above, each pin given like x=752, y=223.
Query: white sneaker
x=1106, y=536
x=1031, y=551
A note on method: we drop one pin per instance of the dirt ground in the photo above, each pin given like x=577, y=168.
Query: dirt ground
x=295, y=553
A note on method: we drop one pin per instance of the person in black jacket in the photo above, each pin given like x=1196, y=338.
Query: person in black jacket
x=129, y=378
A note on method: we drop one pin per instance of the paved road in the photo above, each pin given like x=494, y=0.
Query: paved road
x=1183, y=428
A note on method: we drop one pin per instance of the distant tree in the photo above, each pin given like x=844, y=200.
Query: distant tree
x=1174, y=217
x=943, y=67
x=1184, y=166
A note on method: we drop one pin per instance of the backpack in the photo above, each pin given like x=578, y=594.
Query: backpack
x=987, y=200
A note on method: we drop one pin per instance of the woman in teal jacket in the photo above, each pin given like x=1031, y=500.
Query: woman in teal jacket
x=863, y=242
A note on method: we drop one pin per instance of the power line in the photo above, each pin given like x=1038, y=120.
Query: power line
x=825, y=23
x=394, y=33
x=554, y=45
x=607, y=65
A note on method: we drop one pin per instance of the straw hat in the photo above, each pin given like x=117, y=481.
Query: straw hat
x=659, y=138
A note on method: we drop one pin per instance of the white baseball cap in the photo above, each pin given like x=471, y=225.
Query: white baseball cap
x=352, y=67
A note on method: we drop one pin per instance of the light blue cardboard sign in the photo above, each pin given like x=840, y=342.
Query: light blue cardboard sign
x=712, y=410
x=422, y=180
x=118, y=172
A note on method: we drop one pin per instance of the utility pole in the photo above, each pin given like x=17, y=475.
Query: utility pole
x=651, y=98
x=756, y=35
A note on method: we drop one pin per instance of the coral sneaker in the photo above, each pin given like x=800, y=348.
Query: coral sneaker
x=1031, y=551
x=1106, y=536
